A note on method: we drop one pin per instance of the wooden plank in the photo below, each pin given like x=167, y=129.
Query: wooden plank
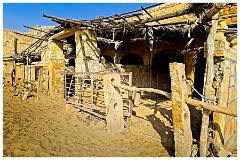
x=180, y=111
x=208, y=89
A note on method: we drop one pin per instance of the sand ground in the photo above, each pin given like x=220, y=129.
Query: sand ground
x=43, y=127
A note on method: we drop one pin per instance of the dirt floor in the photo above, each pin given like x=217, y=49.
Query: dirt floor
x=43, y=127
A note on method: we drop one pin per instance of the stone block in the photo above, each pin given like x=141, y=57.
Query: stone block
x=224, y=13
x=234, y=19
x=228, y=20
x=226, y=8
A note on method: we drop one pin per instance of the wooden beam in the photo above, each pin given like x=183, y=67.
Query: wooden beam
x=64, y=34
x=192, y=102
x=211, y=107
x=208, y=89
x=214, y=10
x=180, y=111
x=167, y=94
x=189, y=9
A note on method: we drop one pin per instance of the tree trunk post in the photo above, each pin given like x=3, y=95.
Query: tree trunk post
x=180, y=111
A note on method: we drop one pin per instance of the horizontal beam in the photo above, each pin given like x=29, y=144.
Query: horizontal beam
x=167, y=94
x=64, y=34
x=190, y=101
x=211, y=107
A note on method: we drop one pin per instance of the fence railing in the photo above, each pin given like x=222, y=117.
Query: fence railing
x=86, y=92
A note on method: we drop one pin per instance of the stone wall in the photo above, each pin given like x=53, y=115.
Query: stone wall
x=225, y=84
x=140, y=75
x=8, y=51
x=229, y=13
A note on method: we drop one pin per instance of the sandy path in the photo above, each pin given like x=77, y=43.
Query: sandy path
x=43, y=128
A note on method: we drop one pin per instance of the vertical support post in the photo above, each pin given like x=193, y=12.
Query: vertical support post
x=208, y=89
x=92, y=89
x=180, y=111
x=14, y=62
x=114, y=104
x=65, y=86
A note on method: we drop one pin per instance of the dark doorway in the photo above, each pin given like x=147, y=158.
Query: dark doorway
x=132, y=59
x=108, y=58
x=199, y=74
x=71, y=62
x=160, y=68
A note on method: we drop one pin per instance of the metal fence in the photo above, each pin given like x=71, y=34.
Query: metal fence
x=85, y=91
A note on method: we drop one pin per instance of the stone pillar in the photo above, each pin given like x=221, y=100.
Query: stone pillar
x=180, y=111
x=56, y=69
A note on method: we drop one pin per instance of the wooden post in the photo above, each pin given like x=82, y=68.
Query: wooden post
x=180, y=111
x=208, y=89
x=114, y=103
x=14, y=62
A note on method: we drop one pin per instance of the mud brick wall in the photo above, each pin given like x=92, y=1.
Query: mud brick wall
x=140, y=75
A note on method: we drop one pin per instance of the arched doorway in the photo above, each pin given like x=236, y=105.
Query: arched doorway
x=160, y=68
x=132, y=59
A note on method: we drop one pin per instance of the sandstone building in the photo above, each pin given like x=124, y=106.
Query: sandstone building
x=66, y=60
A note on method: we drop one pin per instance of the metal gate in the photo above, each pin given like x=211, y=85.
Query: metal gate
x=85, y=91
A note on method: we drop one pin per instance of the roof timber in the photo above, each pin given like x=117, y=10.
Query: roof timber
x=119, y=20
x=64, y=34
x=168, y=20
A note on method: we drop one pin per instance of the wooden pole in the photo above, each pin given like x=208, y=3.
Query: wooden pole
x=211, y=107
x=190, y=101
x=14, y=62
x=208, y=89
x=180, y=111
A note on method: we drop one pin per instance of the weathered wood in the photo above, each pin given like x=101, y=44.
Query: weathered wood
x=231, y=143
x=167, y=94
x=210, y=107
x=214, y=10
x=14, y=61
x=208, y=89
x=114, y=103
x=180, y=111
x=221, y=151
x=193, y=102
